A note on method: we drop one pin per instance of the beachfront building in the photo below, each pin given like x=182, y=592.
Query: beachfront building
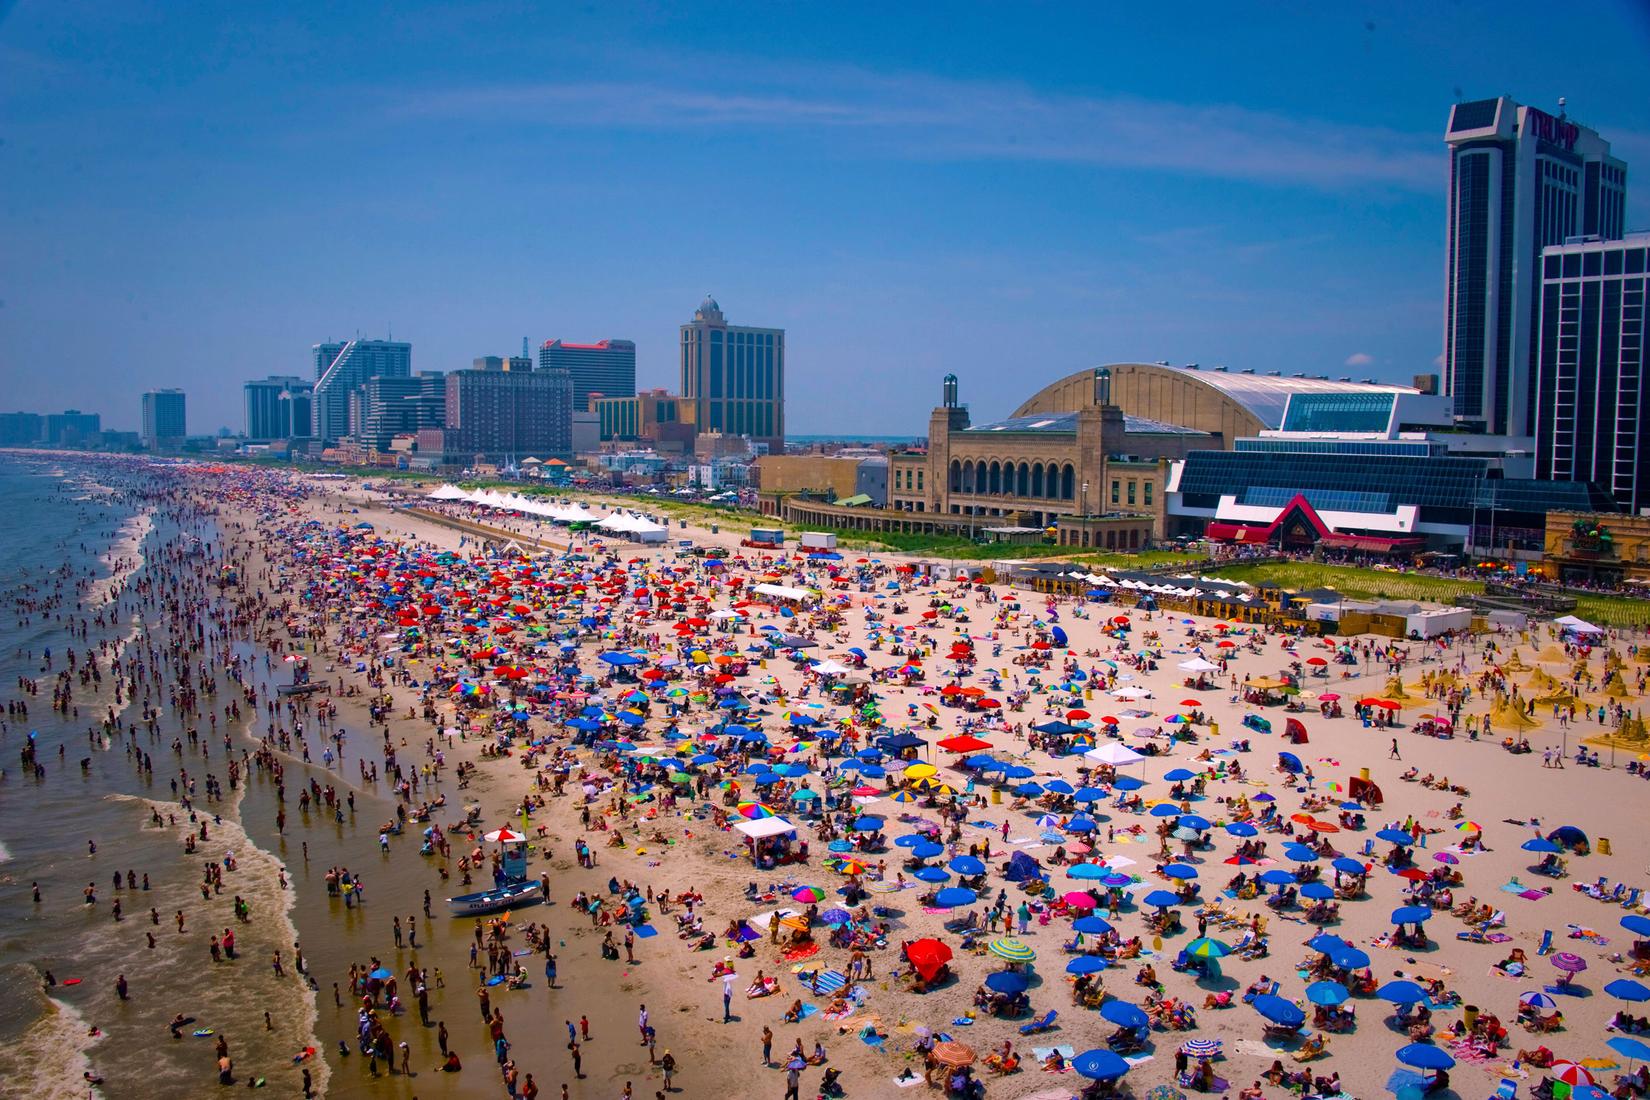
x=165, y=423
x=1611, y=549
x=341, y=368
x=278, y=407
x=734, y=377
x=503, y=417
x=1592, y=393
x=383, y=408
x=1383, y=474
x=73, y=428
x=1520, y=180
x=656, y=416
x=607, y=367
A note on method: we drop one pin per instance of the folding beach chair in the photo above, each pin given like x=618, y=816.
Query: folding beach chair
x=1546, y=942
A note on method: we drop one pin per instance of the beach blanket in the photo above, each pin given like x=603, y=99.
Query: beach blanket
x=907, y=1082
x=1066, y=1052
x=827, y=983
x=646, y=931
x=806, y=951
x=1532, y=895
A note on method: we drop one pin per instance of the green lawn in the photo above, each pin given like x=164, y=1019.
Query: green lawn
x=1358, y=583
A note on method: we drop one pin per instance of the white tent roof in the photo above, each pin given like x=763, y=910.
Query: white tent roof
x=1579, y=626
x=782, y=591
x=449, y=492
x=1113, y=753
x=830, y=668
x=764, y=826
x=1198, y=664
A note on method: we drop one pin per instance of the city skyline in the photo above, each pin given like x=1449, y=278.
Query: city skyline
x=1011, y=203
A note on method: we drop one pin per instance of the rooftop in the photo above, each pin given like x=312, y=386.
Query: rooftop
x=1066, y=424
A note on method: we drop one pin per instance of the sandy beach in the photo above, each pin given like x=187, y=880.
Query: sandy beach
x=679, y=840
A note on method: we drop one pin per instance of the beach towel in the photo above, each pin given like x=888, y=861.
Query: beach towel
x=827, y=983
x=806, y=951
x=1066, y=1052
x=646, y=931
x=907, y=1082
x=1532, y=895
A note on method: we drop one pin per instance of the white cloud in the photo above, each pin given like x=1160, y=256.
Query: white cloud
x=1359, y=359
x=926, y=116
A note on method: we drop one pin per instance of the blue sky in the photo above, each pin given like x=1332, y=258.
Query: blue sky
x=193, y=195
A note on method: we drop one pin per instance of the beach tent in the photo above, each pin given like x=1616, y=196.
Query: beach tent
x=449, y=492
x=782, y=592
x=1198, y=664
x=764, y=827
x=1022, y=868
x=1572, y=625
x=1114, y=754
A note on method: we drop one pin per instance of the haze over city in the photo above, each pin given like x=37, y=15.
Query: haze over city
x=197, y=196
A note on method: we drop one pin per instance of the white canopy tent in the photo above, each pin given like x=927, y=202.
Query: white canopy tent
x=1577, y=626
x=1198, y=664
x=1113, y=754
x=764, y=827
x=782, y=591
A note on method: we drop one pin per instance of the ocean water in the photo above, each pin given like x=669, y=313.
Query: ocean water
x=84, y=549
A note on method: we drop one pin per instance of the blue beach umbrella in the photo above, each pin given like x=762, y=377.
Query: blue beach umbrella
x=931, y=874
x=1164, y=809
x=1086, y=871
x=1178, y=775
x=1350, y=958
x=1091, y=925
x=1411, y=914
x=1394, y=836
x=1099, y=1065
x=1124, y=1014
x=1326, y=993
x=1636, y=922
x=1180, y=870
x=1276, y=877
x=967, y=865
x=1278, y=1010
x=953, y=897
x=1626, y=989
x=1317, y=891
x=1241, y=829
x=1086, y=964
x=1161, y=899
x=1006, y=981
x=1326, y=943
x=1425, y=1056
x=1402, y=992
x=1347, y=865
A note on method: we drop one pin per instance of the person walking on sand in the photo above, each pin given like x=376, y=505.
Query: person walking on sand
x=767, y=1045
x=1393, y=755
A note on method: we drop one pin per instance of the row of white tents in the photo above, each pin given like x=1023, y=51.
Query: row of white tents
x=1181, y=588
x=638, y=528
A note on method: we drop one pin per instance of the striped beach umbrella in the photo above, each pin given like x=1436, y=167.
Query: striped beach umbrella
x=1202, y=1048
x=1007, y=947
x=1207, y=948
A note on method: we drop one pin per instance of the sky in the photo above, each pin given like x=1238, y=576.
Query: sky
x=193, y=195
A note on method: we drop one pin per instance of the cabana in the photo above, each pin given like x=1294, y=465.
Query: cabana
x=768, y=840
x=783, y=592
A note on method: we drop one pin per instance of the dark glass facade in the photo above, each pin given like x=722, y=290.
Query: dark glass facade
x=1591, y=419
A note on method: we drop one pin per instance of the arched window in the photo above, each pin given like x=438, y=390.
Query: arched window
x=995, y=483
x=1068, y=483
x=1037, y=480
x=956, y=476
x=1022, y=480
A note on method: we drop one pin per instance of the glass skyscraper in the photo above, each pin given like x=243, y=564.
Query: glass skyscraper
x=607, y=367
x=1593, y=396
x=341, y=368
x=1520, y=180
x=734, y=377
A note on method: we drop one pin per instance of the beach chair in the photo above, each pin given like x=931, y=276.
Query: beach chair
x=1546, y=942
x=1506, y=1090
x=1631, y=899
x=1497, y=919
x=1043, y=1024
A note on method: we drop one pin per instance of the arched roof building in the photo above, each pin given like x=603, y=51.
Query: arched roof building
x=1227, y=404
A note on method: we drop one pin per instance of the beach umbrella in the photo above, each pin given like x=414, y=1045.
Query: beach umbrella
x=1445, y=857
x=927, y=850
x=1100, y=1065
x=1086, y=871
x=1317, y=891
x=1350, y=958
x=1089, y=794
x=1411, y=914
x=1636, y=922
x=1079, y=899
x=1326, y=993
x=1124, y=1014
x=1626, y=989
x=931, y=874
x=808, y=894
x=1300, y=853
x=1540, y=844
x=1402, y=992
x=1326, y=942
x=1569, y=962
x=1164, y=809
x=1276, y=877
x=1425, y=1056
x=1394, y=836
x=910, y=840
x=1207, y=948
x=1241, y=861
x=1537, y=1000
x=1348, y=866
x=1060, y=786
x=1279, y=1011
x=1202, y=1048
x=503, y=836
x=835, y=916
x=1115, y=879
x=1241, y=829
x=952, y=1054
x=381, y=975
x=1180, y=871
x=953, y=897
x=1193, y=821
x=967, y=865
x=927, y=956
x=1007, y=947
x=1091, y=925
x=1161, y=899
x=1086, y=964
x=1006, y=981
x=852, y=866
x=1179, y=775
x=1629, y=1048
x=1127, y=783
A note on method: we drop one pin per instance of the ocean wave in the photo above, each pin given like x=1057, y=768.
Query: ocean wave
x=50, y=1058
x=123, y=558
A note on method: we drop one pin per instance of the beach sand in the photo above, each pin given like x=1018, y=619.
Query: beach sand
x=716, y=1058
